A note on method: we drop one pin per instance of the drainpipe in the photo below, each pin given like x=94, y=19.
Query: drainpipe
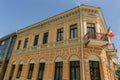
x=82, y=44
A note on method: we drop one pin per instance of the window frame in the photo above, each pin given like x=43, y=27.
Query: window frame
x=36, y=39
x=45, y=37
x=73, y=31
x=58, y=71
x=30, y=72
x=41, y=71
x=73, y=66
x=60, y=34
x=19, y=71
x=19, y=44
x=26, y=42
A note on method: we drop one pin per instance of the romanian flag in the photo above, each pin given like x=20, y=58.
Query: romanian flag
x=110, y=33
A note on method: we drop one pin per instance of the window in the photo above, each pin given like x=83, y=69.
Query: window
x=73, y=31
x=74, y=70
x=91, y=27
x=45, y=38
x=30, y=71
x=58, y=70
x=36, y=40
x=25, y=43
x=41, y=71
x=12, y=72
x=19, y=71
x=60, y=34
x=94, y=70
x=19, y=43
x=91, y=30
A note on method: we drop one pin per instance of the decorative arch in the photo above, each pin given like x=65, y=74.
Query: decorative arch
x=32, y=61
x=74, y=58
x=14, y=62
x=58, y=59
x=21, y=62
x=42, y=60
x=94, y=58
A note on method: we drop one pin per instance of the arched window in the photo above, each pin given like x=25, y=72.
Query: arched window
x=58, y=68
x=94, y=67
x=74, y=68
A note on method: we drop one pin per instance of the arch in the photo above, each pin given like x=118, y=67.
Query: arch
x=74, y=58
x=32, y=61
x=14, y=63
x=42, y=60
x=94, y=58
x=58, y=59
x=21, y=62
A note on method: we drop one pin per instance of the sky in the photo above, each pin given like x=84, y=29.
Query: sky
x=17, y=14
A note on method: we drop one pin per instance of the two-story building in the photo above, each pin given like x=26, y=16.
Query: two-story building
x=72, y=45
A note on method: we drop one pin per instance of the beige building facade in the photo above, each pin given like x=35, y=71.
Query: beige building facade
x=70, y=46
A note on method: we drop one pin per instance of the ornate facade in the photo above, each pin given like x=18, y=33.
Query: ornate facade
x=70, y=46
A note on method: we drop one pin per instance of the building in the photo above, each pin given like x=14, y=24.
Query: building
x=6, y=47
x=72, y=45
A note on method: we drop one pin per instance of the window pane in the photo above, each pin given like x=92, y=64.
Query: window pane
x=94, y=70
x=45, y=38
x=25, y=43
x=60, y=34
x=91, y=27
x=41, y=71
x=19, y=71
x=74, y=70
x=19, y=43
x=36, y=40
x=58, y=70
x=30, y=71
x=73, y=31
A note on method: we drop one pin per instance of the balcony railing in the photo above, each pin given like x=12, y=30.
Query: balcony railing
x=96, y=36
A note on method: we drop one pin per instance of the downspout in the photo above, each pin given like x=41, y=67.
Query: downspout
x=82, y=44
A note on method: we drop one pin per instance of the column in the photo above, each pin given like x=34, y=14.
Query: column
x=66, y=70
x=35, y=72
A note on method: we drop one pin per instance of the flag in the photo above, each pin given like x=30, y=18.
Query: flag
x=110, y=33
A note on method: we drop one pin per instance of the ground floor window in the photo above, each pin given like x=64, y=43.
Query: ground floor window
x=41, y=71
x=12, y=72
x=30, y=71
x=58, y=70
x=74, y=70
x=94, y=70
x=19, y=71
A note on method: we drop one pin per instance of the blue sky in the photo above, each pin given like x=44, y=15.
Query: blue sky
x=17, y=14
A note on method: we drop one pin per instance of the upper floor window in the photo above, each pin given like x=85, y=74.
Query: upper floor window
x=19, y=43
x=36, y=40
x=30, y=71
x=91, y=27
x=73, y=31
x=60, y=34
x=25, y=43
x=45, y=38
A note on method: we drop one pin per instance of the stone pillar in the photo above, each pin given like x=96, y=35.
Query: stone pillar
x=66, y=70
x=35, y=72
x=25, y=70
